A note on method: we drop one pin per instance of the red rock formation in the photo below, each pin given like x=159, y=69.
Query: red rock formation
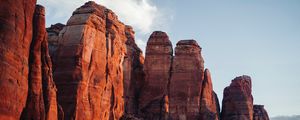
x=237, y=100
x=41, y=99
x=209, y=108
x=259, y=113
x=186, y=81
x=157, y=68
x=53, y=33
x=15, y=38
x=133, y=73
x=89, y=73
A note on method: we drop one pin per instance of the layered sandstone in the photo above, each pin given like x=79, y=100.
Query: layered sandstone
x=15, y=38
x=89, y=72
x=259, y=113
x=41, y=99
x=157, y=67
x=209, y=104
x=237, y=101
x=186, y=81
x=133, y=72
x=53, y=37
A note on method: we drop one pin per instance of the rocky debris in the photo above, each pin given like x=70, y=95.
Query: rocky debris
x=237, y=101
x=157, y=68
x=53, y=33
x=209, y=108
x=15, y=37
x=259, y=113
x=89, y=72
x=186, y=81
x=133, y=73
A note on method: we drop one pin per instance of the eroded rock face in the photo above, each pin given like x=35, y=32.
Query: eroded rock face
x=186, y=81
x=237, y=100
x=89, y=72
x=157, y=67
x=259, y=113
x=133, y=73
x=15, y=38
x=209, y=108
x=53, y=37
x=41, y=100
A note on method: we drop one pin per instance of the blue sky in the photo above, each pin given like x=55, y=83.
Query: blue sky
x=259, y=38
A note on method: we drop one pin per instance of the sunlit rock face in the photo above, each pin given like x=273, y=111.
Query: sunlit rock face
x=209, y=108
x=41, y=100
x=27, y=87
x=89, y=70
x=99, y=72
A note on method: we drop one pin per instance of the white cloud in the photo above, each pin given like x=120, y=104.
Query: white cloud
x=140, y=14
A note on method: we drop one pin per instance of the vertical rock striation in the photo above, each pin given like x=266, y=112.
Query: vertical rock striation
x=259, y=113
x=209, y=104
x=133, y=73
x=89, y=72
x=237, y=100
x=186, y=81
x=53, y=37
x=41, y=99
x=15, y=38
x=157, y=67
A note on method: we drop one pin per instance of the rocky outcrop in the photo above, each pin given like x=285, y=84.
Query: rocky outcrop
x=100, y=72
x=186, y=81
x=41, y=99
x=237, y=101
x=209, y=104
x=259, y=113
x=133, y=73
x=53, y=37
x=89, y=72
x=157, y=67
x=28, y=90
x=15, y=37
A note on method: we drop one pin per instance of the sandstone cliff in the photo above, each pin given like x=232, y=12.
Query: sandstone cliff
x=28, y=90
x=237, y=101
x=100, y=72
x=133, y=73
x=187, y=74
x=209, y=104
x=154, y=94
x=89, y=70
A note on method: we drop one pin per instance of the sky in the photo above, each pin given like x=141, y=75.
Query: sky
x=259, y=38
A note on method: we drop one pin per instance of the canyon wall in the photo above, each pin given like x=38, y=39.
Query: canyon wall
x=100, y=73
x=28, y=90
x=157, y=67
